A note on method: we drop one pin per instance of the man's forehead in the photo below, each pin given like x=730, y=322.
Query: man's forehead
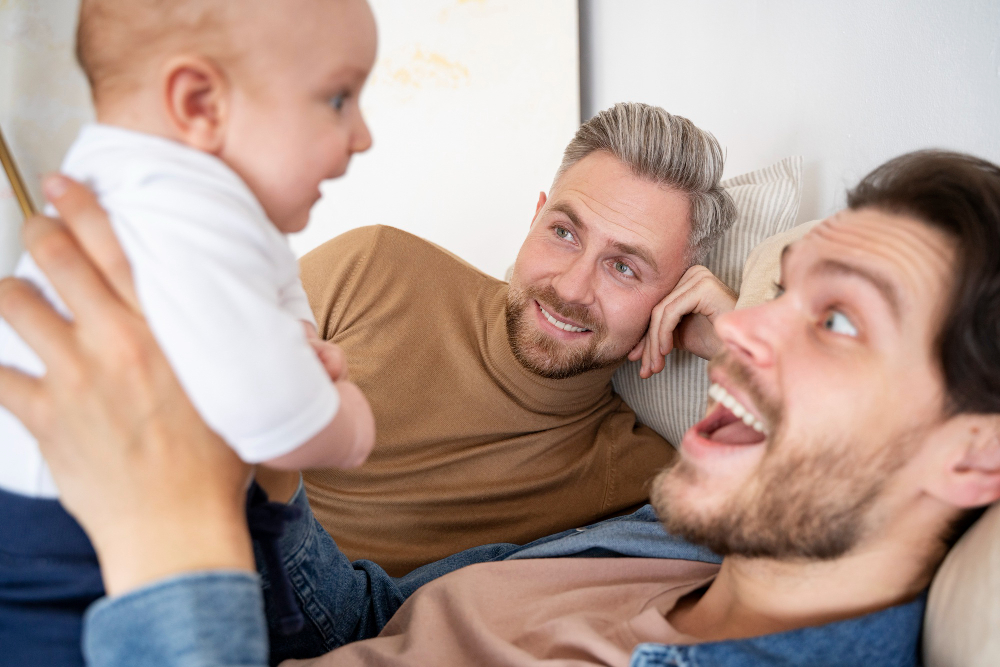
x=600, y=187
x=905, y=254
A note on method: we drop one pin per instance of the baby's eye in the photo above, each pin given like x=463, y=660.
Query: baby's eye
x=337, y=101
x=779, y=289
x=624, y=269
x=838, y=323
x=564, y=233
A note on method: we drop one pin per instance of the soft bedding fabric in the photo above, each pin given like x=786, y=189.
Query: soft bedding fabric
x=962, y=625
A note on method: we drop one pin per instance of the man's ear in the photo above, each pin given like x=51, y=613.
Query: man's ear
x=196, y=100
x=538, y=207
x=971, y=473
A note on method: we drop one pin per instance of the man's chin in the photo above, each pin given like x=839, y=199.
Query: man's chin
x=554, y=361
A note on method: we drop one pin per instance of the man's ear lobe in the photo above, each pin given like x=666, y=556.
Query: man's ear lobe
x=972, y=478
x=538, y=207
x=196, y=97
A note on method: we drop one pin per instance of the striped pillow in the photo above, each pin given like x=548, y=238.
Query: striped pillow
x=767, y=201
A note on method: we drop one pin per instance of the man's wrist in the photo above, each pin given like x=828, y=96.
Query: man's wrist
x=135, y=556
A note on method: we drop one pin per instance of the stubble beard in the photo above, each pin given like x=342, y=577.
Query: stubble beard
x=544, y=355
x=813, y=501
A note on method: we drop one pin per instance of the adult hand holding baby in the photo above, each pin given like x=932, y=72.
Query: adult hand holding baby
x=156, y=490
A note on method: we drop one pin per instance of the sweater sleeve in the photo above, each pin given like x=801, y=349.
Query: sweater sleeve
x=204, y=619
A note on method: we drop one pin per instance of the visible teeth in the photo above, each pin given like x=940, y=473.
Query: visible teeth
x=561, y=325
x=718, y=393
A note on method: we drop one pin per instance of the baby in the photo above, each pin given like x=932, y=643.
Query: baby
x=217, y=121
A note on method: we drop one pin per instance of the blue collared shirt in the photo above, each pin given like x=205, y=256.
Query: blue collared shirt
x=218, y=618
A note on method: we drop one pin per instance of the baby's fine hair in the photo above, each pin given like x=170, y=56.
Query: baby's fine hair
x=118, y=40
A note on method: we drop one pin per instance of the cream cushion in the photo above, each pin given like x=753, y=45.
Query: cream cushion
x=767, y=202
x=962, y=624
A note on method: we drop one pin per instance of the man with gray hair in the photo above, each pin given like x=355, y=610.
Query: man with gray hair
x=495, y=416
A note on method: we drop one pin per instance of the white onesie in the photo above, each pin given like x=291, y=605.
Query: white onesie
x=219, y=286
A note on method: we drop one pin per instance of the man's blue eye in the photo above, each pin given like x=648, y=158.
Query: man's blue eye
x=563, y=233
x=337, y=101
x=838, y=323
x=624, y=269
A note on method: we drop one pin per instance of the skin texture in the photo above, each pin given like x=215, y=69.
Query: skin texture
x=840, y=509
x=604, y=249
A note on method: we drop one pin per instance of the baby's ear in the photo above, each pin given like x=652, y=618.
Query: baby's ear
x=196, y=101
x=971, y=474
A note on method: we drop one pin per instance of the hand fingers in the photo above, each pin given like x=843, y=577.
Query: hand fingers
x=89, y=223
x=21, y=394
x=636, y=352
x=35, y=321
x=333, y=358
x=71, y=273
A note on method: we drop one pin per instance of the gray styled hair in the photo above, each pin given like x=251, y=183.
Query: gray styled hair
x=667, y=150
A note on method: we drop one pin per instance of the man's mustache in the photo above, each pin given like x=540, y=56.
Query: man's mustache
x=553, y=303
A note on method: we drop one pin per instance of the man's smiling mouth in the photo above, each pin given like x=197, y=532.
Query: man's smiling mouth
x=565, y=326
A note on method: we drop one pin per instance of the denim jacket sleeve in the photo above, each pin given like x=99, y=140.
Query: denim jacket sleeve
x=207, y=619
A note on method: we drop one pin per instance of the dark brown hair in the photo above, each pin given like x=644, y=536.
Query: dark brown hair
x=960, y=195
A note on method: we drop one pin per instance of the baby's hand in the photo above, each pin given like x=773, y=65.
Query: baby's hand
x=330, y=354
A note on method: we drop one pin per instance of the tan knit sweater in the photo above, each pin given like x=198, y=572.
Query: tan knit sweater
x=471, y=448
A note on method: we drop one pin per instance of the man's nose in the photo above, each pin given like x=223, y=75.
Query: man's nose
x=752, y=334
x=575, y=284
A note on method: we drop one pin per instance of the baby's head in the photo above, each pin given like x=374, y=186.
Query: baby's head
x=270, y=87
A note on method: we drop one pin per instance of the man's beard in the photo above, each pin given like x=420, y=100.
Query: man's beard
x=545, y=355
x=805, y=501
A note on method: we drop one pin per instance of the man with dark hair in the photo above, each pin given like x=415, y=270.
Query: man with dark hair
x=842, y=444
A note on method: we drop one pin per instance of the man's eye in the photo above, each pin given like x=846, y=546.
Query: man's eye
x=624, y=269
x=564, y=233
x=838, y=323
x=337, y=101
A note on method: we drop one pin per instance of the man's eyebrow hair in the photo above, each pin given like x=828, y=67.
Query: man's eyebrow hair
x=879, y=282
x=568, y=211
x=624, y=248
x=641, y=253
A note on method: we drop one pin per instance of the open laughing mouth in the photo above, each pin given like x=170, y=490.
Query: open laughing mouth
x=560, y=323
x=729, y=422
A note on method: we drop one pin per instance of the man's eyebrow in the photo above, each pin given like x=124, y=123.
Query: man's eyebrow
x=879, y=282
x=636, y=251
x=624, y=248
x=568, y=211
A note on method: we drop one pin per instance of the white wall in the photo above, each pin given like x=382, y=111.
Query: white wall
x=43, y=100
x=471, y=104
x=846, y=84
